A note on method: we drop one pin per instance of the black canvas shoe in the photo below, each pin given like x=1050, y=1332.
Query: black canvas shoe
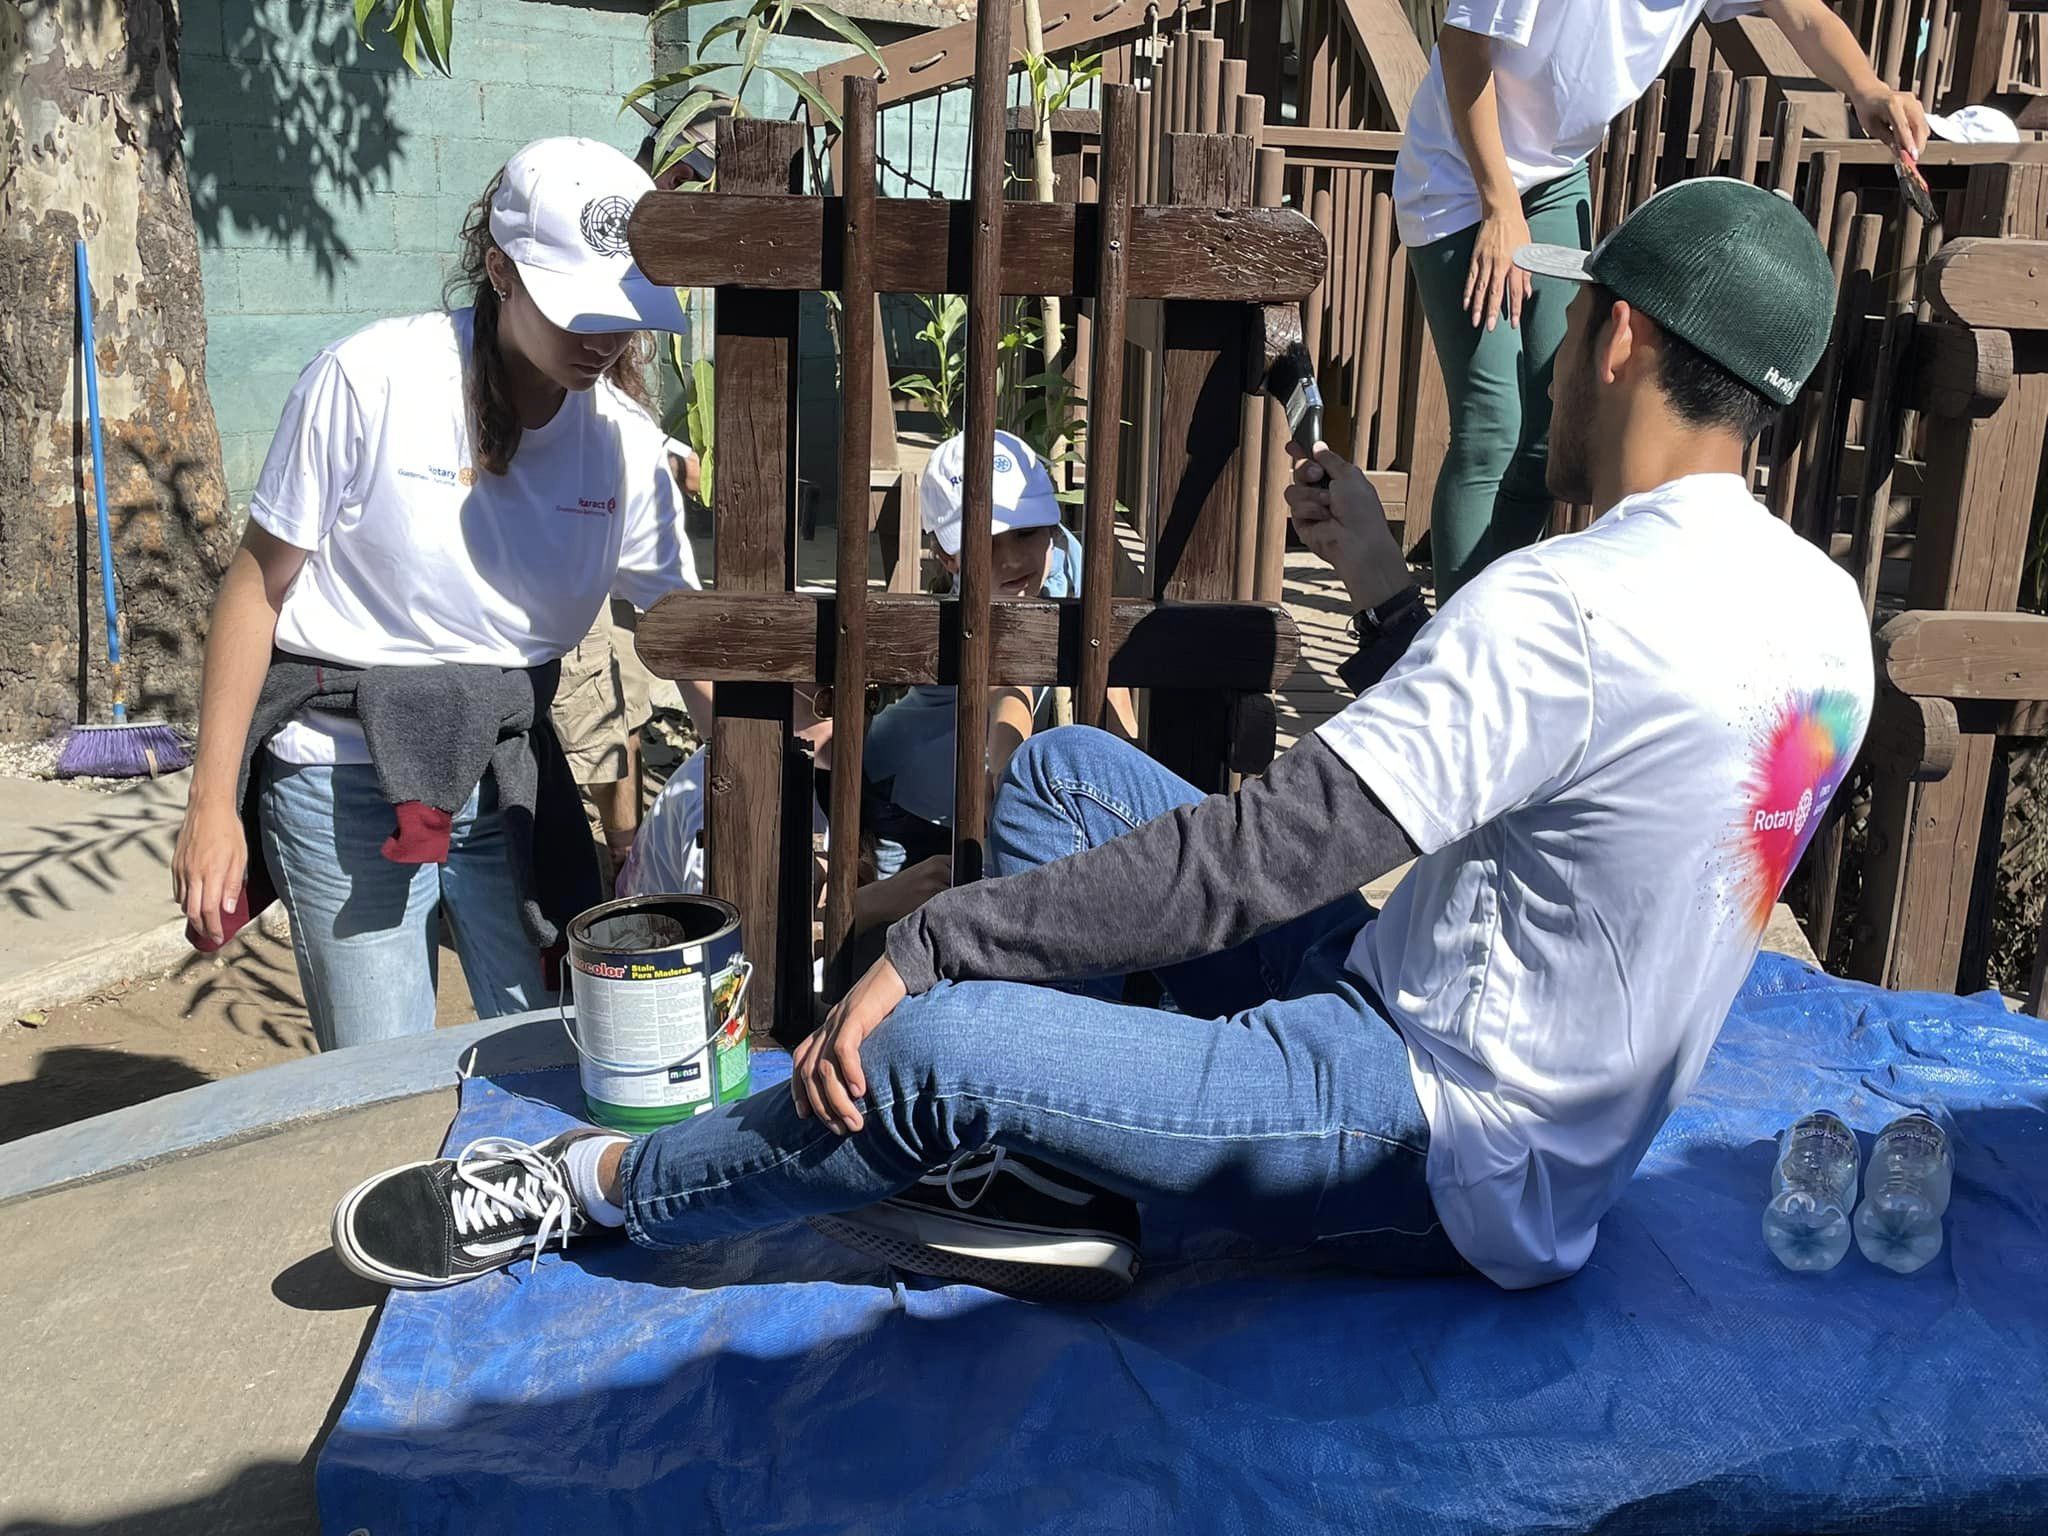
x=1003, y=1222
x=450, y=1219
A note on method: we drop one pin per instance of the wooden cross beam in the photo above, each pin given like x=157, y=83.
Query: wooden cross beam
x=1234, y=255
x=792, y=637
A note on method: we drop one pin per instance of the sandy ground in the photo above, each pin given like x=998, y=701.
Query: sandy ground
x=208, y=1017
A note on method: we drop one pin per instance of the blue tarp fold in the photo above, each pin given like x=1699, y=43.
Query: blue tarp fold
x=1682, y=1382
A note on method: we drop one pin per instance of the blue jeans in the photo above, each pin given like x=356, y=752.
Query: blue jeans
x=366, y=931
x=1279, y=1100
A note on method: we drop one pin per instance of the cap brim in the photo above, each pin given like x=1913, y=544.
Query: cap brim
x=1559, y=261
x=597, y=307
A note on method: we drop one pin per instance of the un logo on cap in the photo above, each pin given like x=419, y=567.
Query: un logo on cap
x=1004, y=464
x=604, y=224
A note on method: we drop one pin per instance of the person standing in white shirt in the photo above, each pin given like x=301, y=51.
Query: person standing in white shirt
x=1605, y=757
x=468, y=486
x=1519, y=94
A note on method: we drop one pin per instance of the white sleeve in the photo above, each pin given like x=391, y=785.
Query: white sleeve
x=1490, y=710
x=310, y=472
x=655, y=558
x=1511, y=21
x=1728, y=10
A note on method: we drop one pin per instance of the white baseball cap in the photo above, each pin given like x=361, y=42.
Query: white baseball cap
x=1975, y=125
x=1024, y=496
x=560, y=214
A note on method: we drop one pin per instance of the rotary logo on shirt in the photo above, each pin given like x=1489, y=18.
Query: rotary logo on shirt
x=1795, y=768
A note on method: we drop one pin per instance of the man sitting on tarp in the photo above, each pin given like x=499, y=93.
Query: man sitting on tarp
x=1605, y=754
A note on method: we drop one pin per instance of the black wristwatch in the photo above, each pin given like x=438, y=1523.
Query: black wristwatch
x=1383, y=633
x=1375, y=623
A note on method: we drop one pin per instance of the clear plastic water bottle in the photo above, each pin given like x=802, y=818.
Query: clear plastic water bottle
x=1813, y=1189
x=1905, y=1192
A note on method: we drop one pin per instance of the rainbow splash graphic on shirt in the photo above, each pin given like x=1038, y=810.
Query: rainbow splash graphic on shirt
x=1796, y=765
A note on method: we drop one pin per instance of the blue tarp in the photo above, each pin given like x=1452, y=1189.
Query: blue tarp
x=1682, y=1382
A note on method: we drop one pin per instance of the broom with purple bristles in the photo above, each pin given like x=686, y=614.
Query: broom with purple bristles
x=126, y=749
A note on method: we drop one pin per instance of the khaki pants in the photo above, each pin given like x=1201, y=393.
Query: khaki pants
x=606, y=694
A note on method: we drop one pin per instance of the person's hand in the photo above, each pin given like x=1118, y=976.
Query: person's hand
x=1340, y=518
x=895, y=897
x=1895, y=118
x=1493, y=279
x=825, y=1075
x=208, y=864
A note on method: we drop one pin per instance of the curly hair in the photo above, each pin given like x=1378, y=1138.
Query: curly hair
x=493, y=424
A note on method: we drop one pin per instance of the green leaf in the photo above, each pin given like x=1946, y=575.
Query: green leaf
x=810, y=94
x=405, y=16
x=365, y=9
x=681, y=116
x=828, y=18
x=439, y=17
x=757, y=39
x=726, y=28
x=674, y=77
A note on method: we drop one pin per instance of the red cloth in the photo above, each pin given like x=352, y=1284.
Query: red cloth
x=421, y=836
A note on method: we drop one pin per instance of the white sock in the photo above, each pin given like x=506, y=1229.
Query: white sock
x=580, y=1158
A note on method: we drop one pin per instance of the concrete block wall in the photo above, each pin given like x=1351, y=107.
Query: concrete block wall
x=329, y=183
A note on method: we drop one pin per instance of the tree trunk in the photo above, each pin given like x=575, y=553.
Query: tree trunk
x=1042, y=182
x=91, y=144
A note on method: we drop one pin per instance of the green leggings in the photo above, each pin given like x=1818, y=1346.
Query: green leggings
x=1490, y=497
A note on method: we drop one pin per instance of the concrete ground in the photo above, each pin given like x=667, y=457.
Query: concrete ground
x=180, y=1339
x=85, y=878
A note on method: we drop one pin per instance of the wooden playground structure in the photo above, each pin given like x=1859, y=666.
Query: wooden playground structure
x=1229, y=168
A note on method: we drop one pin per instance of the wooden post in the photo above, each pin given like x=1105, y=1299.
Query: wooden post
x=1270, y=558
x=754, y=498
x=1791, y=439
x=1204, y=371
x=1316, y=309
x=1318, y=48
x=1980, y=28
x=1386, y=436
x=1250, y=120
x=1428, y=429
x=984, y=323
x=1651, y=118
x=1937, y=51
x=1749, y=127
x=1105, y=402
x=1713, y=123
x=1372, y=327
x=856, y=424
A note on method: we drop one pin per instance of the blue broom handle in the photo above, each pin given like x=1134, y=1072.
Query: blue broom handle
x=99, y=481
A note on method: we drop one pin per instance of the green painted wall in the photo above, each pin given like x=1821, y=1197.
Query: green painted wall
x=328, y=183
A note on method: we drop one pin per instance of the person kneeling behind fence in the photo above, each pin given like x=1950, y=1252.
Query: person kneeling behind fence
x=908, y=765
x=1605, y=755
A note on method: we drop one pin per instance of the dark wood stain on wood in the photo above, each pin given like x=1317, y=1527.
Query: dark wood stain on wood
x=1250, y=255
x=791, y=637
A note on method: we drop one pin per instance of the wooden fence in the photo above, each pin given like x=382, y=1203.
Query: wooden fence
x=1884, y=458
x=1209, y=263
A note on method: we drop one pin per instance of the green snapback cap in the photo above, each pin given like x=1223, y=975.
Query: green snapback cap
x=1727, y=266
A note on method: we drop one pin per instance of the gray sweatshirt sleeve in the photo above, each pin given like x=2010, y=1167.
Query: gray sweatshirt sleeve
x=1209, y=876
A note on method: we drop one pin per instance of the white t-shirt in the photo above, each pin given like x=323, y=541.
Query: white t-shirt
x=1611, y=749
x=416, y=556
x=1562, y=71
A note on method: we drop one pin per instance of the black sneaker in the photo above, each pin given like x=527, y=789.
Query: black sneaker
x=450, y=1219
x=1005, y=1223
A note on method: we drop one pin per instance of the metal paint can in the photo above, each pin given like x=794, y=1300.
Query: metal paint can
x=660, y=984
